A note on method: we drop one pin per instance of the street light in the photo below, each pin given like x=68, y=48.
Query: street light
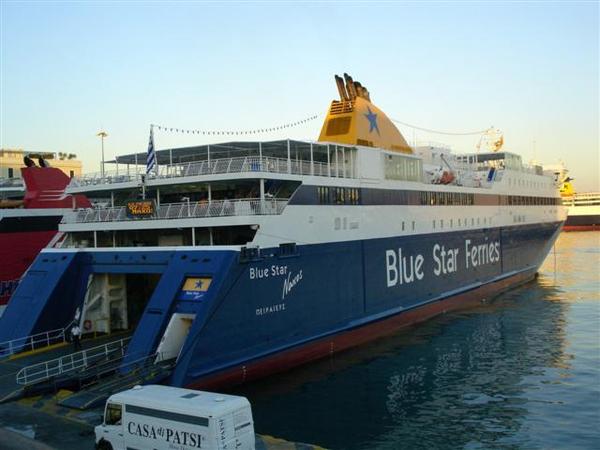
x=102, y=135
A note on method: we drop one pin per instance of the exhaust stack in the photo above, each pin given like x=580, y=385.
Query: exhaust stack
x=341, y=89
x=350, y=86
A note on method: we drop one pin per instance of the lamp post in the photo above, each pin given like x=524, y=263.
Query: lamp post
x=102, y=135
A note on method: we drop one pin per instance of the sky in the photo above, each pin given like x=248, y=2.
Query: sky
x=69, y=69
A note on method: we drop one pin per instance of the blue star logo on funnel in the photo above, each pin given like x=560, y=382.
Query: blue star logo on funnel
x=372, y=118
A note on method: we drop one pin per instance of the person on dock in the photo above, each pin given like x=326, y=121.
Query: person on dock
x=75, y=337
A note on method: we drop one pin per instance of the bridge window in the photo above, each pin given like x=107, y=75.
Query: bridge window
x=400, y=167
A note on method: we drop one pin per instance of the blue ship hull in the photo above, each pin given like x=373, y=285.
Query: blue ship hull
x=279, y=309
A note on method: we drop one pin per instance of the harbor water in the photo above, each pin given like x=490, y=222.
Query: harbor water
x=520, y=373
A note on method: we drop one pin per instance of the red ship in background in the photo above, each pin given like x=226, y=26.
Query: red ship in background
x=30, y=223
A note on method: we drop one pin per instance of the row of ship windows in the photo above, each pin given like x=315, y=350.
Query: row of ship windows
x=460, y=222
x=528, y=183
x=474, y=221
x=437, y=224
x=356, y=196
x=338, y=196
x=524, y=200
x=441, y=223
x=462, y=199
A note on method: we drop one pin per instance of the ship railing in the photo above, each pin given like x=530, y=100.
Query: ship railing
x=218, y=208
x=135, y=372
x=80, y=360
x=498, y=165
x=584, y=197
x=33, y=342
x=216, y=166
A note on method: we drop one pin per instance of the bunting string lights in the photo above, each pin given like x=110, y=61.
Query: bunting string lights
x=448, y=133
x=234, y=132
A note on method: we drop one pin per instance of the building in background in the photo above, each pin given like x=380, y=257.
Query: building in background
x=11, y=162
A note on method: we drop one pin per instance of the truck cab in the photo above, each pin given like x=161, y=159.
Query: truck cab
x=164, y=417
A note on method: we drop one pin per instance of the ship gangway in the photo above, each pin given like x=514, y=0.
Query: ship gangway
x=150, y=369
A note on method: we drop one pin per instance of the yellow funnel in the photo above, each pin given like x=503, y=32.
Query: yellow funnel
x=356, y=121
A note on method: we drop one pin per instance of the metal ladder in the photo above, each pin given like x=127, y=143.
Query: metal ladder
x=44, y=371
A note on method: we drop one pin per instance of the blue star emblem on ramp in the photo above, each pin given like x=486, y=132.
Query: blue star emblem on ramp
x=199, y=284
x=372, y=118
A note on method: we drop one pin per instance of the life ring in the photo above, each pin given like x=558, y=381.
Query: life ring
x=87, y=325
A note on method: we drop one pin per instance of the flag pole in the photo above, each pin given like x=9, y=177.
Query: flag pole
x=151, y=159
x=156, y=156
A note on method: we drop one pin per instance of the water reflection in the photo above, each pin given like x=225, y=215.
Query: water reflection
x=506, y=375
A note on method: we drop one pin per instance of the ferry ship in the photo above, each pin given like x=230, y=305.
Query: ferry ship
x=583, y=208
x=236, y=260
x=31, y=208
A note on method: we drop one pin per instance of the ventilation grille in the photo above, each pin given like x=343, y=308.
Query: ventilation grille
x=337, y=126
x=341, y=107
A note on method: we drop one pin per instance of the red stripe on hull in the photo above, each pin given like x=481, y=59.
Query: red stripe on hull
x=581, y=227
x=342, y=341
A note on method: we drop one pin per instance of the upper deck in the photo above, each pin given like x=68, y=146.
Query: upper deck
x=230, y=160
x=296, y=160
x=223, y=194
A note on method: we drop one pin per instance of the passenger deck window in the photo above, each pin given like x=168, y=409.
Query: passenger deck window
x=114, y=412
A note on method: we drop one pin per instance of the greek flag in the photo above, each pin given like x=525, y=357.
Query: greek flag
x=151, y=157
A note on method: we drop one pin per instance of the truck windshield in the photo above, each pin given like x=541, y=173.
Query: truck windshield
x=113, y=414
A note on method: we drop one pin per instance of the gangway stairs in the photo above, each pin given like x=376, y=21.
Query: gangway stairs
x=71, y=363
x=148, y=370
x=77, y=379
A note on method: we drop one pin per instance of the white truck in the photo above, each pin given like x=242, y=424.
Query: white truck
x=168, y=418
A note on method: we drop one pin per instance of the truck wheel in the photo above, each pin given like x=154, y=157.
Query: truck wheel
x=104, y=445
